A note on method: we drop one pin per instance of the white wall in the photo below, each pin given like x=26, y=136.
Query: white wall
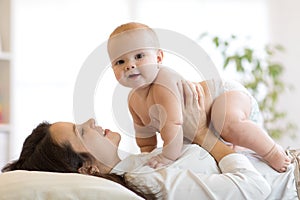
x=284, y=28
x=51, y=40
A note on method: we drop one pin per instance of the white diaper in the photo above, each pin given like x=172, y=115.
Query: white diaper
x=230, y=85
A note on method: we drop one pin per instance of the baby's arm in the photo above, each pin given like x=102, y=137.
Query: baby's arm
x=170, y=116
x=145, y=139
x=146, y=144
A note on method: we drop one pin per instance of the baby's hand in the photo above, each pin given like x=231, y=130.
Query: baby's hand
x=158, y=161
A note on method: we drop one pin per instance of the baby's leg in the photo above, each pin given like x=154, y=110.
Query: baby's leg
x=230, y=117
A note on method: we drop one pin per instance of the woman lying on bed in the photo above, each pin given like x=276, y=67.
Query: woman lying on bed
x=84, y=148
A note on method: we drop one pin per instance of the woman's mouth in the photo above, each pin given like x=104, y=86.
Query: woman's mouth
x=106, y=131
x=101, y=131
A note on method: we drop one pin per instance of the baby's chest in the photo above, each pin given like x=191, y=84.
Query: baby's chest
x=149, y=114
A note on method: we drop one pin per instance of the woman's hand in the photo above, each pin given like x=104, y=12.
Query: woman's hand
x=193, y=106
x=195, y=125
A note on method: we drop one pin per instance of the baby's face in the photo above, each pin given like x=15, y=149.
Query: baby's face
x=137, y=68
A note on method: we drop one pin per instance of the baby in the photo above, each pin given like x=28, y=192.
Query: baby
x=155, y=101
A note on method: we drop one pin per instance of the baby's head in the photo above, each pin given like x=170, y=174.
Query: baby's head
x=131, y=26
x=129, y=37
x=131, y=48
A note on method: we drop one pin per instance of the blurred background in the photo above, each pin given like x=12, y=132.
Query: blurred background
x=45, y=42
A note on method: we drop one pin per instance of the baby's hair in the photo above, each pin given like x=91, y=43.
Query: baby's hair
x=129, y=26
x=151, y=39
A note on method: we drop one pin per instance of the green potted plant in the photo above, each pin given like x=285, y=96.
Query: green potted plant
x=261, y=75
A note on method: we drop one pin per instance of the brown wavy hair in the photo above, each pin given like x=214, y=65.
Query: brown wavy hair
x=41, y=153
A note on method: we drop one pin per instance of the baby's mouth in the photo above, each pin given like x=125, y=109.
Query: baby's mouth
x=133, y=76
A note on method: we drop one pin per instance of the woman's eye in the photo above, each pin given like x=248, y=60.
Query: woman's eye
x=119, y=62
x=81, y=132
x=139, y=56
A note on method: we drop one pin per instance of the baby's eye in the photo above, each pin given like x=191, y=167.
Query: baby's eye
x=139, y=56
x=119, y=62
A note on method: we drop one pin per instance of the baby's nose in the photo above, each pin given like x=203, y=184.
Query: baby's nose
x=130, y=64
x=129, y=67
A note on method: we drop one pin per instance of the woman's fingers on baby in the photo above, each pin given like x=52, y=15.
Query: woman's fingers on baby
x=195, y=92
x=200, y=93
x=188, y=93
x=181, y=93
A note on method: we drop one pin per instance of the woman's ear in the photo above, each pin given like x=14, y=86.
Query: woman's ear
x=160, y=56
x=88, y=168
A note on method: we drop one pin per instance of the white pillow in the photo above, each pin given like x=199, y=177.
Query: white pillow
x=33, y=185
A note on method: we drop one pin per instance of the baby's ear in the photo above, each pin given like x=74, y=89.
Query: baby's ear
x=88, y=169
x=160, y=56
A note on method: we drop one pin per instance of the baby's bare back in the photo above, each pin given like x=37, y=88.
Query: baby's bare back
x=161, y=101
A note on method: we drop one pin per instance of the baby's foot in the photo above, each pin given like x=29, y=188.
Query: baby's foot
x=277, y=158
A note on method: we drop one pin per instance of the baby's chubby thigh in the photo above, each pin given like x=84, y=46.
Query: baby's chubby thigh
x=228, y=112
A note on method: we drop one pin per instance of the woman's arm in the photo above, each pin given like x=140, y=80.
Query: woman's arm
x=195, y=121
x=238, y=178
x=213, y=145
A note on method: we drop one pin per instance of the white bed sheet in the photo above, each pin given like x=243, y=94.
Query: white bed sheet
x=33, y=185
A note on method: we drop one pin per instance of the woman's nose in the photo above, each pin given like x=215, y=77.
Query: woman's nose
x=91, y=122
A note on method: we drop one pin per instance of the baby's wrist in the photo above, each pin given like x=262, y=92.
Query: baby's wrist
x=168, y=157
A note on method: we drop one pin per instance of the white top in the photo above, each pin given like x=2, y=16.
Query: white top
x=195, y=175
x=282, y=184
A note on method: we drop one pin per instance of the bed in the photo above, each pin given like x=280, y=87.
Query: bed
x=33, y=185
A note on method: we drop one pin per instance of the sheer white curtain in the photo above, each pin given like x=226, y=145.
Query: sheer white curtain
x=52, y=39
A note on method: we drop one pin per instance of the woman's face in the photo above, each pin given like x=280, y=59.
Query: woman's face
x=87, y=137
